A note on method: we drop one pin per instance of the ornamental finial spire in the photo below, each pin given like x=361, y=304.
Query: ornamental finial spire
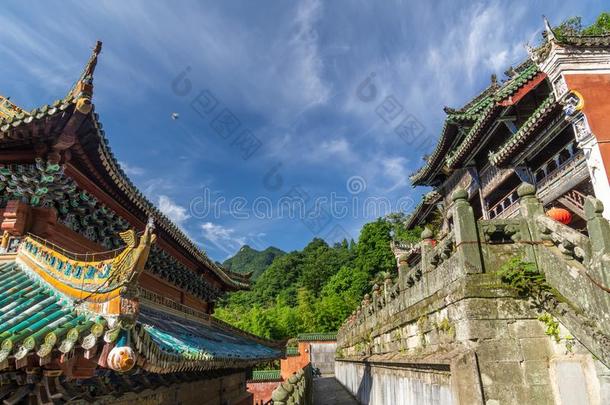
x=550, y=35
x=82, y=91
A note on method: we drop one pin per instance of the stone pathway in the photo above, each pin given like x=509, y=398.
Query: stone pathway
x=328, y=391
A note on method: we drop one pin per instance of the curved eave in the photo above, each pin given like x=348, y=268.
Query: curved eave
x=422, y=209
x=38, y=320
x=424, y=175
x=169, y=343
x=13, y=130
x=482, y=110
x=473, y=137
x=9, y=126
x=123, y=182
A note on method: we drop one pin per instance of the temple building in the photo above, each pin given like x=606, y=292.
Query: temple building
x=546, y=124
x=506, y=297
x=102, y=298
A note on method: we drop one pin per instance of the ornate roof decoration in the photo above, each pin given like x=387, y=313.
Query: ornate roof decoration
x=472, y=137
x=52, y=302
x=14, y=129
x=551, y=38
x=529, y=127
x=8, y=109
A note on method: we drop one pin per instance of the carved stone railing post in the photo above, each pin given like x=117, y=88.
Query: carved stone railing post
x=598, y=227
x=377, y=304
x=403, y=269
x=426, y=248
x=599, y=236
x=466, y=234
x=530, y=208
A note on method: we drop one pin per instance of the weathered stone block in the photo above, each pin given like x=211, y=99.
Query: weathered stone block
x=480, y=308
x=526, y=328
x=536, y=372
x=535, y=348
x=480, y=329
x=499, y=350
x=539, y=395
x=509, y=308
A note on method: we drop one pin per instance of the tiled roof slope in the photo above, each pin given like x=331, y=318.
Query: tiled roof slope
x=310, y=337
x=476, y=113
x=35, y=318
x=266, y=375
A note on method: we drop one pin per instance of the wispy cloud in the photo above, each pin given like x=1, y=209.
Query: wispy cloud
x=132, y=170
x=178, y=214
x=289, y=72
x=222, y=238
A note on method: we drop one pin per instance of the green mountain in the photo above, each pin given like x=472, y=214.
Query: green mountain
x=316, y=288
x=248, y=260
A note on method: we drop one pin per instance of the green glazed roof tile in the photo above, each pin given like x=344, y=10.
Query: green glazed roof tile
x=266, y=375
x=308, y=337
x=35, y=318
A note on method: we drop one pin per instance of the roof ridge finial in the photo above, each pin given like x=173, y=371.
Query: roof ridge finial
x=82, y=91
x=550, y=35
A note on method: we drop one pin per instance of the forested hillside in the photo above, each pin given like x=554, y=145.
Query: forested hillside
x=248, y=260
x=315, y=289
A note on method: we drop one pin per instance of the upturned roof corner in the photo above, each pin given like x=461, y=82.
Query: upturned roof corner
x=82, y=91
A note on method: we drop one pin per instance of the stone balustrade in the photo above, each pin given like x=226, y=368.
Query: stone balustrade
x=451, y=309
x=296, y=390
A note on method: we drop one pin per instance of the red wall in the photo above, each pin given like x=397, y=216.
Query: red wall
x=595, y=89
x=262, y=390
x=292, y=364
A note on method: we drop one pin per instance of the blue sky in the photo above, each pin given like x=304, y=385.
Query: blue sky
x=289, y=78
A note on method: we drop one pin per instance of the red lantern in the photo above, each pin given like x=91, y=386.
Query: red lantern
x=560, y=215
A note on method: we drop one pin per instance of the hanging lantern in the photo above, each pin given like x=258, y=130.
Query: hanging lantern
x=560, y=215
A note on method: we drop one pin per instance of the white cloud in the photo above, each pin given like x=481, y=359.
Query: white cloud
x=222, y=238
x=308, y=62
x=480, y=39
x=173, y=211
x=132, y=170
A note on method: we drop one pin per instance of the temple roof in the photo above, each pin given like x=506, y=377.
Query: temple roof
x=518, y=140
x=8, y=109
x=74, y=113
x=472, y=120
x=37, y=318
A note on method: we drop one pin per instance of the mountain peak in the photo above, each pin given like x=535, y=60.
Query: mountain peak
x=250, y=260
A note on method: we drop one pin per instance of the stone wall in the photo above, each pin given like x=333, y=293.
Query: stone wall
x=451, y=325
x=322, y=355
x=387, y=384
